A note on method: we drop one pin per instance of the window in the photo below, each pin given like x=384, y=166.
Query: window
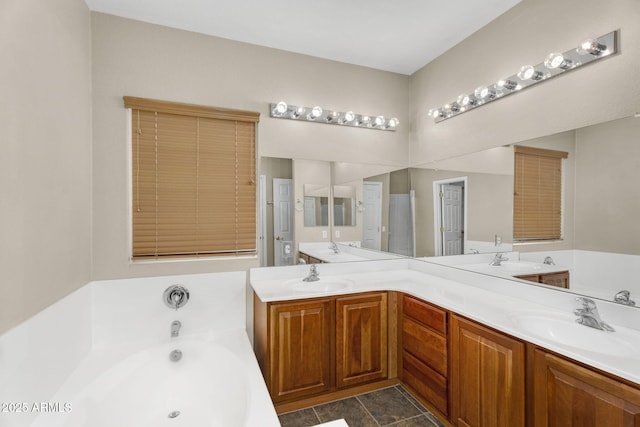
x=194, y=189
x=537, y=198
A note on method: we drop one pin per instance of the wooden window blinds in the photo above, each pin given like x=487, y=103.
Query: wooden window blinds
x=537, y=199
x=194, y=191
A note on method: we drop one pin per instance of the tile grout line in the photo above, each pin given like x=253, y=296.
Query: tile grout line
x=367, y=410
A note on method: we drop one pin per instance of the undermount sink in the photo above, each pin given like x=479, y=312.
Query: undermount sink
x=322, y=285
x=565, y=331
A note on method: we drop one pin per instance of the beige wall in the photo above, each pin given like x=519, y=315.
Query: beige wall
x=45, y=166
x=138, y=59
x=607, y=201
x=608, y=89
x=489, y=209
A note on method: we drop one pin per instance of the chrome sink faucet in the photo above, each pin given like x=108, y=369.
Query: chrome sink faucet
x=623, y=297
x=313, y=275
x=334, y=247
x=498, y=259
x=588, y=315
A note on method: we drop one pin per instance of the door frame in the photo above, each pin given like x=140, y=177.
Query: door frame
x=437, y=211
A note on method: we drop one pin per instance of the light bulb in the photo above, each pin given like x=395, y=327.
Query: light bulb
x=363, y=121
x=348, y=117
x=379, y=120
x=297, y=112
x=466, y=100
x=557, y=60
x=507, y=84
x=393, y=123
x=436, y=113
x=591, y=46
x=315, y=113
x=331, y=117
x=281, y=108
x=483, y=92
x=527, y=72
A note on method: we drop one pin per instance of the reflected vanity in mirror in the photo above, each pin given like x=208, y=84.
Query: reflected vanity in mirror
x=344, y=205
x=316, y=205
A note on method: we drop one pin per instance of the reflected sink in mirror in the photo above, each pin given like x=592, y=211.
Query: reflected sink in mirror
x=322, y=285
x=565, y=331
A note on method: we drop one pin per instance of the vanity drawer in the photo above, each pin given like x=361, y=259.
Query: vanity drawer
x=425, y=344
x=426, y=314
x=429, y=384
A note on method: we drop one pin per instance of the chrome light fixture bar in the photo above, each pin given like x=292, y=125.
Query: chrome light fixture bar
x=555, y=64
x=317, y=114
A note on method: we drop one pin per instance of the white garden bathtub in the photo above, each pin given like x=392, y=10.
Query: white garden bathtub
x=217, y=382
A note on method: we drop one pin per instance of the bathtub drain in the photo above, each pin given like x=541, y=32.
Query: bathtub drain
x=174, y=414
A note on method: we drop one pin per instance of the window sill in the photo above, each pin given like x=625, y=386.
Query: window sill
x=538, y=242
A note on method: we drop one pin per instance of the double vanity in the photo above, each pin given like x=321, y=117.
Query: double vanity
x=475, y=349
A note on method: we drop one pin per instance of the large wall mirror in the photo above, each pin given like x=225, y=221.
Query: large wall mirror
x=601, y=179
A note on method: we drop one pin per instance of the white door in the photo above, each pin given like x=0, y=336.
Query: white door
x=452, y=219
x=372, y=215
x=282, y=221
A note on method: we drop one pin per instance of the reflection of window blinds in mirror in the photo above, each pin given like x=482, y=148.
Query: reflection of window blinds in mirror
x=537, y=198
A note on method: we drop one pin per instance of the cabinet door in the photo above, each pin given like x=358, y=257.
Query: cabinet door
x=487, y=377
x=361, y=339
x=567, y=394
x=300, y=348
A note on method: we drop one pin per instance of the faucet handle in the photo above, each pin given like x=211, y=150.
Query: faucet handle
x=587, y=303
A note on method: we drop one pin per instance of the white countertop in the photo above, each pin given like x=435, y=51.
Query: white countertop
x=493, y=301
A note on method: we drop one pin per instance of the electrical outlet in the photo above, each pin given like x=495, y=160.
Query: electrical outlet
x=498, y=240
x=324, y=234
x=337, y=234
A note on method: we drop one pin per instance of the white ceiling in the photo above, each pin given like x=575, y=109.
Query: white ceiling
x=400, y=36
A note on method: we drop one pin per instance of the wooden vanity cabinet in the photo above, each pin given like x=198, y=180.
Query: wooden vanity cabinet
x=570, y=395
x=300, y=348
x=487, y=376
x=309, y=259
x=560, y=279
x=361, y=339
x=424, y=351
x=314, y=346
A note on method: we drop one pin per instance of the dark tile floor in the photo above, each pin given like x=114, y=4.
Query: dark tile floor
x=392, y=406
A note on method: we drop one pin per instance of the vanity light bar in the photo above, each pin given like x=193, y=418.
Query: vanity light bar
x=556, y=63
x=316, y=114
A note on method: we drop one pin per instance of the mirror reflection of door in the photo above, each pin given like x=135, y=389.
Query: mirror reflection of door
x=450, y=216
x=282, y=221
x=372, y=215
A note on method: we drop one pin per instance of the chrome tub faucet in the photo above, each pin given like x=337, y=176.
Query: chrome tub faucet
x=588, y=315
x=313, y=274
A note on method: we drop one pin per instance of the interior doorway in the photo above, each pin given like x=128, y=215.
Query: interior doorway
x=450, y=214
